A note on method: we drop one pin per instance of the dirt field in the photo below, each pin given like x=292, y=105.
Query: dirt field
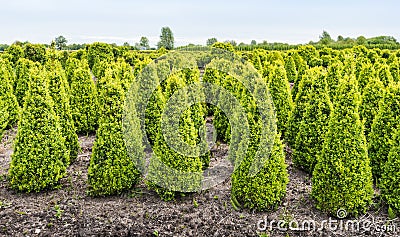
x=70, y=212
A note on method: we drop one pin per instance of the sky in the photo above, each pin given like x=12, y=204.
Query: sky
x=119, y=21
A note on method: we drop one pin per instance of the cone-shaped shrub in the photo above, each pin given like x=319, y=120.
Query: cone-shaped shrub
x=111, y=170
x=265, y=189
x=167, y=156
x=300, y=104
x=23, y=78
x=58, y=87
x=39, y=150
x=390, y=181
x=83, y=100
x=301, y=67
x=291, y=71
x=101, y=51
x=280, y=92
x=312, y=128
x=333, y=75
x=394, y=67
x=371, y=96
x=385, y=122
x=342, y=178
x=7, y=96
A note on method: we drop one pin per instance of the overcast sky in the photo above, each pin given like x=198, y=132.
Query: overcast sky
x=119, y=21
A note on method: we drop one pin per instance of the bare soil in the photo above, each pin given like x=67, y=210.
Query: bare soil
x=69, y=211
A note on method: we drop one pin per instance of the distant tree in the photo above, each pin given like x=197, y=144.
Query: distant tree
x=144, y=43
x=211, y=41
x=61, y=42
x=361, y=40
x=325, y=38
x=166, y=39
x=126, y=44
x=253, y=42
x=340, y=38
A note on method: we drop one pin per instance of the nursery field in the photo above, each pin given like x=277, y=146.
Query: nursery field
x=205, y=141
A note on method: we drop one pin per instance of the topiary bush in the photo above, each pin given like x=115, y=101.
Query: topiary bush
x=312, y=128
x=300, y=104
x=22, y=69
x=390, y=181
x=58, y=88
x=39, y=150
x=280, y=92
x=291, y=71
x=111, y=170
x=84, y=103
x=342, y=177
x=7, y=96
x=101, y=51
x=371, y=96
x=384, y=124
x=35, y=52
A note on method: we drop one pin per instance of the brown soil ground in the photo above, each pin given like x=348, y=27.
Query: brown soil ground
x=70, y=212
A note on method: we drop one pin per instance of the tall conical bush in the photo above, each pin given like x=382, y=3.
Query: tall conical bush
x=6, y=94
x=314, y=124
x=58, y=88
x=342, y=177
x=39, y=150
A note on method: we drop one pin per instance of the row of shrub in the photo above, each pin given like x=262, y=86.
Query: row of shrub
x=340, y=119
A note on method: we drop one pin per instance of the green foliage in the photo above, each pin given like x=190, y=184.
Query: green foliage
x=312, y=128
x=280, y=92
x=390, y=181
x=384, y=124
x=291, y=71
x=6, y=94
x=61, y=42
x=383, y=73
x=342, y=177
x=23, y=78
x=103, y=51
x=3, y=118
x=367, y=72
x=266, y=189
x=39, y=150
x=111, y=170
x=223, y=46
x=301, y=67
x=35, y=52
x=333, y=75
x=16, y=52
x=300, y=104
x=211, y=41
x=84, y=104
x=182, y=169
x=58, y=88
x=371, y=97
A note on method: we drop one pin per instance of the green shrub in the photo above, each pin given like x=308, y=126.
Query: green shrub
x=16, y=52
x=102, y=51
x=367, y=72
x=390, y=181
x=84, y=104
x=394, y=67
x=342, y=177
x=35, y=52
x=333, y=75
x=39, y=150
x=385, y=122
x=58, y=88
x=280, y=92
x=22, y=78
x=371, y=96
x=111, y=170
x=6, y=94
x=314, y=124
x=291, y=70
x=301, y=67
x=181, y=169
x=300, y=104
x=3, y=118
